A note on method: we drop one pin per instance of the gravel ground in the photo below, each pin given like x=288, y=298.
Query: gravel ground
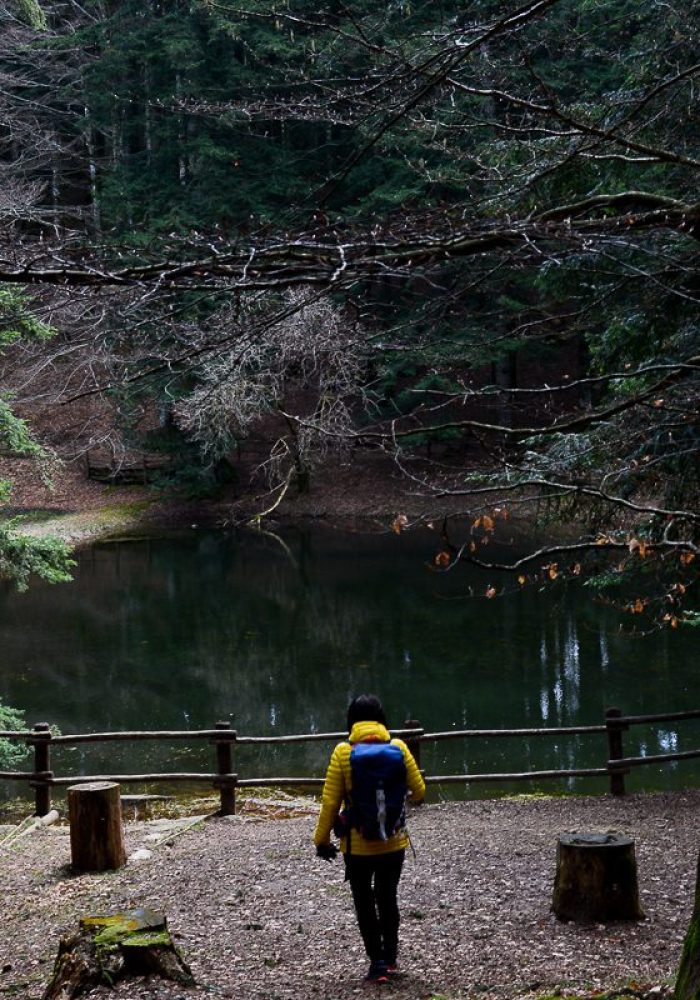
x=258, y=916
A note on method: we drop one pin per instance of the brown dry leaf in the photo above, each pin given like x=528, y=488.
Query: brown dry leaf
x=552, y=571
x=637, y=607
x=687, y=558
x=399, y=522
x=638, y=546
x=576, y=569
x=522, y=580
x=490, y=591
x=442, y=559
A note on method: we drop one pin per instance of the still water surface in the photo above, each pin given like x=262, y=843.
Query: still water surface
x=276, y=633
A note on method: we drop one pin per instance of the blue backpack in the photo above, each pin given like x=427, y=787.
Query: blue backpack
x=379, y=790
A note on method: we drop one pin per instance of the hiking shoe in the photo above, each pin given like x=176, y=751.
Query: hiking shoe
x=392, y=969
x=377, y=972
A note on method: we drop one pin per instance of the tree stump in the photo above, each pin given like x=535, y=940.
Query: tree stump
x=688, y=978
x=596, y=878
x=107, y=949
x=96, y=832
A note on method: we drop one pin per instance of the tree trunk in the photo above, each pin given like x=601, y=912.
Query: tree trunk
x=96, y=832
x=504, y=374
x=95, y=207
x=688, y=979
x=596, y=878
x=147, y=115
x=110, y=948
x=182, y=171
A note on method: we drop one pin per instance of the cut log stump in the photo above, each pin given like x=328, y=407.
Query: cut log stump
x=596, y=878
x=96, y=830
x=107, y=949
x=688, y=978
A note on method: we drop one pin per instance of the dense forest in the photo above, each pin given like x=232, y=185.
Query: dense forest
x=466, y=234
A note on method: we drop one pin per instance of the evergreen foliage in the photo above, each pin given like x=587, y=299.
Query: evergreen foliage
x=11, y=754
x=20, y=555
x=488, y=189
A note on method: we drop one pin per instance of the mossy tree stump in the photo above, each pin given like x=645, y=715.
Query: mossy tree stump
x=96, y=830
x=107, y=949
x=688, y=978
x=596, y=878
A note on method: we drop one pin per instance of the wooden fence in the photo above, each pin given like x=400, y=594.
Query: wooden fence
x=224, y=740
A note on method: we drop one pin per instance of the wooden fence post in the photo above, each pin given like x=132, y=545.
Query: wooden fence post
x=41, y=741
x=413, y=743
x=614, y=729
x=224, y=765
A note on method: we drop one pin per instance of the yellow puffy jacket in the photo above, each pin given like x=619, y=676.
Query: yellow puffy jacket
x=339, y=782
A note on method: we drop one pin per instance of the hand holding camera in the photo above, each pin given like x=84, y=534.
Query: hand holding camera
x=327, y=851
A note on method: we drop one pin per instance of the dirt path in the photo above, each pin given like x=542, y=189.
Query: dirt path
x=258, y=916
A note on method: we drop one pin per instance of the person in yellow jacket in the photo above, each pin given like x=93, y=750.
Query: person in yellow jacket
x=373, y=867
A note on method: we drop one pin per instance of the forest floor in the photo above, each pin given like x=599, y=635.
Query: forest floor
x=368, y=490
x=257, y=915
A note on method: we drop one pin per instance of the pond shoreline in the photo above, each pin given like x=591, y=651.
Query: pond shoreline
x=142, y=518
x=367, y=493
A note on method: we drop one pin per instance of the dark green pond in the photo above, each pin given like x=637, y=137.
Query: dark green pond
x=276, y=633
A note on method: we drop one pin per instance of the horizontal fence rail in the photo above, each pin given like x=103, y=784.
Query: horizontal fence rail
x=659, y=758
x=638, y=720
x=453, y=734
x=225, y=740
x=467, y=779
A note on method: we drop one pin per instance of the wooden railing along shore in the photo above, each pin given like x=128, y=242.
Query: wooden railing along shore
x=224, y=739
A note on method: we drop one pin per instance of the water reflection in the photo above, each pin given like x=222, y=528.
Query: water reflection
x=668, y=741
x=277, y=634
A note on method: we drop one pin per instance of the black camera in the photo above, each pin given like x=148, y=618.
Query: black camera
x=326, y=851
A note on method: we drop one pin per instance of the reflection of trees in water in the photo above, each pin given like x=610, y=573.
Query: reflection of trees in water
x=174, y=635
x=560, y=662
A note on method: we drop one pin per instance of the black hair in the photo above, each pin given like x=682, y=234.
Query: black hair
x=365, y=708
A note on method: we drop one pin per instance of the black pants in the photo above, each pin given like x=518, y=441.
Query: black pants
x=374, y=881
